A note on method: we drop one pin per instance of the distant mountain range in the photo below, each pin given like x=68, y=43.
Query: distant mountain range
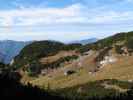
x=9, y=49
x=85, y=41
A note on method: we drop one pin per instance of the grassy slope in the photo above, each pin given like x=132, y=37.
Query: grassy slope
x=122, y=70
x=56, y=57
x=97, y=88
x=83, y=85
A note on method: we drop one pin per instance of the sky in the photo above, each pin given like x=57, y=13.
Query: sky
x=64, y=20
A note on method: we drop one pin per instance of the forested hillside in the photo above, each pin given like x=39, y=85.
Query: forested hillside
x=31, y=54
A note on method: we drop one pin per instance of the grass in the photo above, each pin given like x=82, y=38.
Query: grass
x=121, y=70
x=94, y=89
x=110, y=80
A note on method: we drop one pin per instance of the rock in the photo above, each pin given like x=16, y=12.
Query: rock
x=130, y=80
x=12, y=62
x=107, y=60
x=43, y=72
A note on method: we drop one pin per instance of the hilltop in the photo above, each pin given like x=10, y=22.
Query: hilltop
x=30, y=58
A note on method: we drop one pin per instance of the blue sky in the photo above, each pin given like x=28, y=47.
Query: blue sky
x=64, y=20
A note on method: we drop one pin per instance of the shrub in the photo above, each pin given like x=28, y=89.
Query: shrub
x=118, y=49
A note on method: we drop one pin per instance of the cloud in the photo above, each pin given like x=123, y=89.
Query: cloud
x=112, y=17
x=40, y=16
x=129, y=0
x=72, y=14
x=47, y=22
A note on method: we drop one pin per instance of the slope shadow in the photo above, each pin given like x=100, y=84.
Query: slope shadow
x=11, y=87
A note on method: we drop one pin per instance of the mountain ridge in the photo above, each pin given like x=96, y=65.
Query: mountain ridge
x=10, y=49
x=85, y=41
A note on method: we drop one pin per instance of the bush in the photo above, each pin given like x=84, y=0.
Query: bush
x=33, y=68
x=118, y=49
x=57, y=63
x=102, y=54
x=129, y=45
